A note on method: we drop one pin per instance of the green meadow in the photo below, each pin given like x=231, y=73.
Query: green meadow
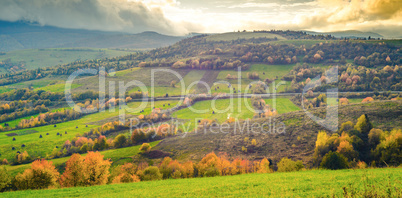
x=36, y=146
x=222, y=109
x=384, y=182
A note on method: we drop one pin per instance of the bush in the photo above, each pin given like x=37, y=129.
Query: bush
x=334, y=161
x=145, y=148
x=5, y=179
x=120, y=141
x=41, y=175
x=264, y=166
x=127, y=174
x=151, y=173
x=288, y=165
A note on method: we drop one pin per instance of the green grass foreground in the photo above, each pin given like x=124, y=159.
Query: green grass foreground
x=312, y=183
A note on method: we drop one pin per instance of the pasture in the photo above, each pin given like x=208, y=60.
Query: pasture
x=384, y=182
x=36, y=146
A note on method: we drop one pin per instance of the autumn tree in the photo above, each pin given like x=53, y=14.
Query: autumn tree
x=334, y=161
x=264, y=166
x=5, y=179
x=288, y=165
x=120, y=141
x=41, y=175
x=208, y=166
x=145, y=147
x=96, y=169
x=151, y=173
x=363, y=124
x=86, y=171
x=127, y=174
x=74, y=172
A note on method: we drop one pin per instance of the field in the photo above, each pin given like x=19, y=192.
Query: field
x=118, y=156
x=239, y=108
x=242, y=35
x=37, y=58
x=314, y=183
x=41, y=146
x=57, y=87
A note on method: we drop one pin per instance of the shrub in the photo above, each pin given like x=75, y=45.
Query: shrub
x=164, y=167
x=145, y=148
x=151, y=173
x=120, y=141
x=334, y=161
x=368, y=99
x=253, y=75
x=254, y=142
x=343, y=101
x=127, y=174
x=264, y=166
x=288, y=165
x=5, y=179
x=41, y=175
x=22, y=157
x=361, y=165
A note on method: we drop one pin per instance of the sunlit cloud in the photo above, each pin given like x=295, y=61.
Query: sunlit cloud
x=180, y=17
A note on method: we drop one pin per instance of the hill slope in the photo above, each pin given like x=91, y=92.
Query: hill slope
x=316, y=183
x=193, y=146
x=20, y=35
x=349, y=34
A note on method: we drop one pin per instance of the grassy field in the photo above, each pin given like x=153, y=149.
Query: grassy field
x=240, y=108
x=58, y=87
x=242, y=35
x=39, y=83
x=190, y=81
x=36, y=146
x=313, y=183
x=37, y=58
x=355, y=100
x=271, y=71
x=264, y=71
x=4, y=89
x=117, y=156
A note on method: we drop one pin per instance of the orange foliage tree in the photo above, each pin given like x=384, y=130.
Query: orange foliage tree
x=41, y=175
x=86, y=171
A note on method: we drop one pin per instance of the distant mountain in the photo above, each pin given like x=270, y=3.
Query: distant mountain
x=22, y=35
x=348, y=34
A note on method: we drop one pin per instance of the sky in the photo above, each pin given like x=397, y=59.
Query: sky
x=180, y=17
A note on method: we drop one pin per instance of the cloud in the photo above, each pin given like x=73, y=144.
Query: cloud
x=116, y=15
x=366, y=15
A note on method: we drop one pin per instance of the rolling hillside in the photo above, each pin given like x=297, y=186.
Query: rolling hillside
x=193, y=146
x=22, y=35
x=314, y=183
